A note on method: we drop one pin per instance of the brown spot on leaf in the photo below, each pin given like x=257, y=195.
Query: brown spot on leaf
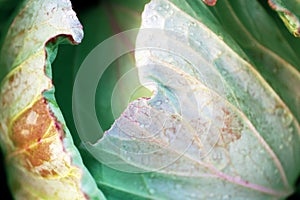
x=46, y=152
x=297, y=33
x=11, y=78
x=232, y=127
x=47, y=173
x=31, y=125
x=33, y=133
x=38, y=154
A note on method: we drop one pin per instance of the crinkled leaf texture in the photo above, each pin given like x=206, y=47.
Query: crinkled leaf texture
x=42, y=161
x=215, y=129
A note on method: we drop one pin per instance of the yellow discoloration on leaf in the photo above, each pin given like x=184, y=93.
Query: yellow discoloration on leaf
x=37, y=148
x=40, y=149
x=27, y=80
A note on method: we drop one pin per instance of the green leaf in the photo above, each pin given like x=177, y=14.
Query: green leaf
x=289, y=12
x=214, y=128
x=267, y=47
x=42, y=161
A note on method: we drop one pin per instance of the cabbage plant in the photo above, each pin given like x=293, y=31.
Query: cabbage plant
x=160, y=99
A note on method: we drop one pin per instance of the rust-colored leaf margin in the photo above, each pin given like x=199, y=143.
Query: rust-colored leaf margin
x=289, y=12
x=210, y=2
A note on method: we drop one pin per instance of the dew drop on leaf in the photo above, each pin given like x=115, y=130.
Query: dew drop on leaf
x=151, y=191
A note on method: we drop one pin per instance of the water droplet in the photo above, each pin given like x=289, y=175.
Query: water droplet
x=154, y=18
x=291, y=129
x=200, y=154
x=142, y=125
x=281, y=146
x=290, y=138
x=261, y=151
x=165, y=138
x=287, y=119
x=167, y=100
x=224, y=72
x=192, y=24
x=159, y=8
x=167, y=6
x=199, y=43
x=178, y=186
x=169, y=134
x=279, y=111
x=152, y=6
x=193, y=195
x=211, y=195
x=244, y=151
x=171, y=12
x=218, y=157
x=158, y=103
x=217, y=55
x=52, y=7
x=180, y=28
x=151, y=191
x=225, y=197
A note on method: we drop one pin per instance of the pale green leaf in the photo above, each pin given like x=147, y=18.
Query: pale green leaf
x=215, y=129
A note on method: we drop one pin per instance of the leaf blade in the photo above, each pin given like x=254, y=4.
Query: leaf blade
x=128, y=133
x=43, y=160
